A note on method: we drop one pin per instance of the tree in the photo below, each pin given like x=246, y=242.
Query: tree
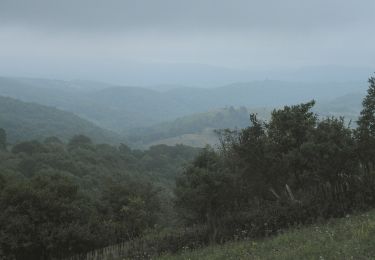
x=365, y=132
x=29, y=148
x=3, y=139
x=79, y=141
x=130, y=207
x=288, y=129
x=329, y=153
x=203, y=193
x=246, y=155
x=44, y=218
x=52, y=140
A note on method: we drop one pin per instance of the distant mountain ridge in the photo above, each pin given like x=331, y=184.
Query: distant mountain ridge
x=123, y=108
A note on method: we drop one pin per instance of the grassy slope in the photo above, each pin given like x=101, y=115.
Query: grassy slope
x=349, y=238
x=195, y=130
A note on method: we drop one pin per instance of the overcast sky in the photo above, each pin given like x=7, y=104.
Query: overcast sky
x=100, y=39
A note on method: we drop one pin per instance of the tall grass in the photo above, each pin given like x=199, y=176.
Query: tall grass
x=351, y=237
x=151, y=245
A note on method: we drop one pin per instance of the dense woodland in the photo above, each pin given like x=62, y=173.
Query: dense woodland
x=62, y=199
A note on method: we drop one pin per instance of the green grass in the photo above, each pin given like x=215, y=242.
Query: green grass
x=352, y=237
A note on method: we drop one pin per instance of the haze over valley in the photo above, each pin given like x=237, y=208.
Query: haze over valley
x=196, y=129
x=126, y=112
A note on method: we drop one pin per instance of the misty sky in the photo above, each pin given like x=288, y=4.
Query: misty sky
x=113, y=39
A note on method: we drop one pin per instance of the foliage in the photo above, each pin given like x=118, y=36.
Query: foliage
x=365, y=132
x=3, y=139
x=43, y=217
x=199, y=193
x=58, y=199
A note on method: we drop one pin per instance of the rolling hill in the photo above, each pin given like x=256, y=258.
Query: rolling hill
x=27, y=121
x=193, y=130
x=349, y=106
x=198, y=129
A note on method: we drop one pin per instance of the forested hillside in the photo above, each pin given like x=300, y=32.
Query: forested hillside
x=28, y=121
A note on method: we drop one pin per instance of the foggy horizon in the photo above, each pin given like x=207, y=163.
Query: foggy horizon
x=195, y=43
